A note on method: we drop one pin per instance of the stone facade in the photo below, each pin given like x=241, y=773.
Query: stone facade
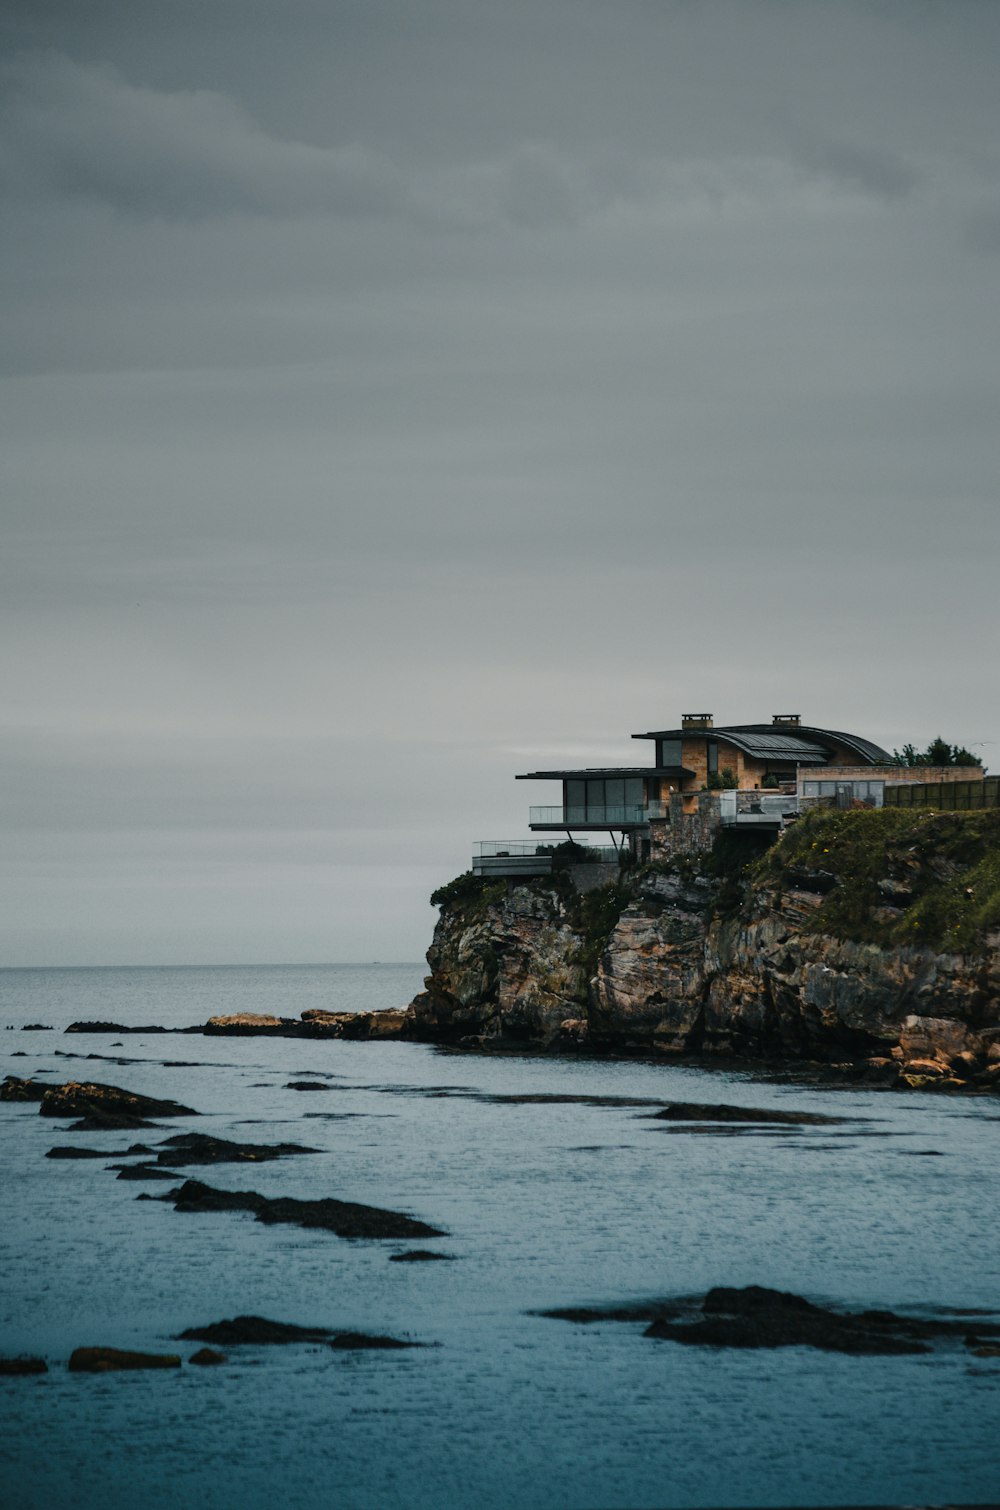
x=695, y=819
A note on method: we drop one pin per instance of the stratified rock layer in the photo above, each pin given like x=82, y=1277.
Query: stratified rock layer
x=782, y=961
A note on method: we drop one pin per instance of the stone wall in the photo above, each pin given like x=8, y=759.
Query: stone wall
x=891, y=774
x=695, y=819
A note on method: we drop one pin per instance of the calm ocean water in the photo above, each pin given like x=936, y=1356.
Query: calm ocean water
x=546, y=1205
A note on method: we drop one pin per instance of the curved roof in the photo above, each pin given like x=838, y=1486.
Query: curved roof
x=796, y=742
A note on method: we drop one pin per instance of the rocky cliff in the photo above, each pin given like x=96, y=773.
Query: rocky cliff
x=862, y=938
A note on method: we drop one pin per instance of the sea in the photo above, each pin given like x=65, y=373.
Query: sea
x=547, y=1203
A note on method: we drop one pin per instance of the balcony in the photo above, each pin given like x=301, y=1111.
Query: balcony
x=763, y=809
x=502, y=857
x=591, y=815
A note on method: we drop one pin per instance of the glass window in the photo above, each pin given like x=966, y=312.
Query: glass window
x=670, y=752
x=810, y=788
x=713, y=756
x=633, y=791
x=614, y=791
x=575, y=794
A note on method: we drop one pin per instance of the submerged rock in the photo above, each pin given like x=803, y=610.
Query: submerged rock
x=14, y=1367
x=343, y=1218
x=419, y=1256
x=253, y=1330
x=62, y=1151
x=586, y=1315
x=207, y=1357
x=693, y=1111
x=356, y=1341
x=111, y=1122
x=143, y=1172
x=200, y=1148
x=104, y=1360
x=114, y=1027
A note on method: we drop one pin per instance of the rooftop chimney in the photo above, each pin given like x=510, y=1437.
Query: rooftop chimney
x=696, y=720
x=786, y=720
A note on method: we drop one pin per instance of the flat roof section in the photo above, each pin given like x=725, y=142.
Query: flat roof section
x=597, y=772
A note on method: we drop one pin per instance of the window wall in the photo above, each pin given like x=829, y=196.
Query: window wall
x=605, y=799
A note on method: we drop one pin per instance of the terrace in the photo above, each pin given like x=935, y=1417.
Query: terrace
x=505, y=857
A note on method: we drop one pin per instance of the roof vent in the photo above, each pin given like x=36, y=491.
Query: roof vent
x=786, y=720
x=696, y=720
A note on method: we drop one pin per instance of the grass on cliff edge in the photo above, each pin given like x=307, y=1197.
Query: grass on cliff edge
x=942, y=870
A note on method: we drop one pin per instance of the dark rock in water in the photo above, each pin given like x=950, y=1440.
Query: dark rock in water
x=100, y=1108
x=199, y=1148
x=91, y=1099
x=13, y=1367
x=36, y=1027
x=194, y=1196
x=112, y=1122
x=143, y=1172
x=356, y=1341
x=419, y=1256
x=693, y=1111
x=14, y=1089
x=253, y=1330
x=756, y=1317
x=62, y=1152
x=308, y=1085
x=114, y=1027
x=207, y=1357
x=585, y=1315
x=105, y=1360
x=344, y=1218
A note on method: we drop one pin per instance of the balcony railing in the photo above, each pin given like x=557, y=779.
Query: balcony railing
x=589, y=816
x=502, y=857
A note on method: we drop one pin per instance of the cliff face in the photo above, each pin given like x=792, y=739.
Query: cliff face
x=836, y=946
x=505, y=964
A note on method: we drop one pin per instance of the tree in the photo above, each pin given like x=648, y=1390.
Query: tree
x=938, y=752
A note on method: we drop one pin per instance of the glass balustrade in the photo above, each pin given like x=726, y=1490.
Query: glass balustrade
x=594, y=815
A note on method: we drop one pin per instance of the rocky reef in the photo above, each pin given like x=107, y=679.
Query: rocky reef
x=869, y=940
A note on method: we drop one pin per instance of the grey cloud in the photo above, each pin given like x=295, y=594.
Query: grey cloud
x=85, y=131
x=82, y=129
x=393, y=394
x=872, y=170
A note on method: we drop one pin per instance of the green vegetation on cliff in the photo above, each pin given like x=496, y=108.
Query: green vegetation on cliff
x=894, y=876
x=470, y=889
x=594, y=914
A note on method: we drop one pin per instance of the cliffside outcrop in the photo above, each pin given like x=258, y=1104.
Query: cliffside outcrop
x=862, y=938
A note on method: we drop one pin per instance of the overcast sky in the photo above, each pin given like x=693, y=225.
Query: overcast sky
x=397, y=396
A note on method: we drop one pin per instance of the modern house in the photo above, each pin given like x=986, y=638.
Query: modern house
x=741, y=757
x=704, y=777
